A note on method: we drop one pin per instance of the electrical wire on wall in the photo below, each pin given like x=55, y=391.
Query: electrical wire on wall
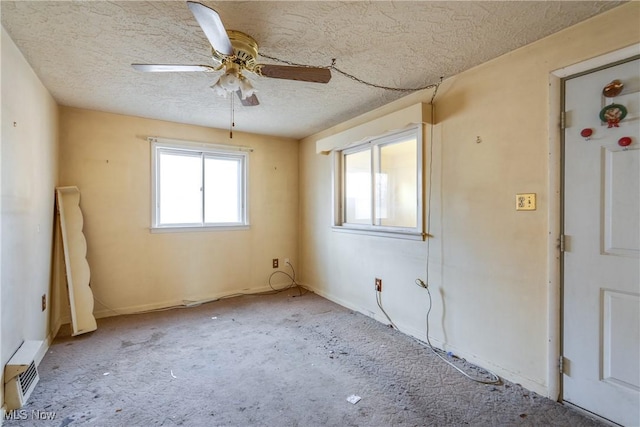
x=379, y=301
x=291, y=276
x=379, y=292
x=483, y=376
x=491, y=378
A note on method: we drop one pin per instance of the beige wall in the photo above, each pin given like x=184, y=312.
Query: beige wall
x=108, y=157
x=488, y=264
x=29, y=150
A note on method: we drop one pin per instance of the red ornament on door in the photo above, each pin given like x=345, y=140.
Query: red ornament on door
x=586, y=133
x=625, y=141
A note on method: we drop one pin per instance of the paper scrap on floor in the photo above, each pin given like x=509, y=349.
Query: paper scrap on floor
x=353, y=399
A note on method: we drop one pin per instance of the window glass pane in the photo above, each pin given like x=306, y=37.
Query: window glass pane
x=396, y=185
x=357, y=184
x=180, y=183
x=222, y=188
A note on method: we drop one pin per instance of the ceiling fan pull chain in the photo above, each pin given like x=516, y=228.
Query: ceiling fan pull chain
x=232, y=125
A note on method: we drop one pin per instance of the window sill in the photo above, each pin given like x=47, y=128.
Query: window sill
x=396, y=234
x=189, y=229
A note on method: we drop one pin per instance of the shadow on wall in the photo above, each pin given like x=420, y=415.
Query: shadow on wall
x=456, y=99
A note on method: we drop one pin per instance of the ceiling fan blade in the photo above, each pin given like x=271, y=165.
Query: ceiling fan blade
x=161, y=68
x=250, y=101
x=211, y=24
x=305, y=74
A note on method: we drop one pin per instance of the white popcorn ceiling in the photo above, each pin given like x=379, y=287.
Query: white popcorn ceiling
x=82, y=52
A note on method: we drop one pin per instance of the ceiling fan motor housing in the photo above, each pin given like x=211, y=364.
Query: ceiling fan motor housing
x=240, y=54
x=245, y=50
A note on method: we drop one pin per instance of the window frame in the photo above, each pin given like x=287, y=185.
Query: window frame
x=339, y=191
x=204, y=151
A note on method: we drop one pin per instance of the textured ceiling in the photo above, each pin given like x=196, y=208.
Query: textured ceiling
x=82, y=52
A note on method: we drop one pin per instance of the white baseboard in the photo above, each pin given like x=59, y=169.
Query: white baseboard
x=56, y=328
x=44, y=347
x=186, y=302
x=164, y=305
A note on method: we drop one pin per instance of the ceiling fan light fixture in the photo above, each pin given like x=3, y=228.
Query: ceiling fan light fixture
x=230, y=81
x=236, y=52
x=227, y=83
x=219, y=90
x=246, y=88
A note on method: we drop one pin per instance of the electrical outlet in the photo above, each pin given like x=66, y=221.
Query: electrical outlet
x=526, y=202
x=275, y=263
x=44, y=302
x=378, y=285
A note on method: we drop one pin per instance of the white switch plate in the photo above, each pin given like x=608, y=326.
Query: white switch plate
x=526, y=202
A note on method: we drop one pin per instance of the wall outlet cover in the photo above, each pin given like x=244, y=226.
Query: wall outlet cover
x=526, y=202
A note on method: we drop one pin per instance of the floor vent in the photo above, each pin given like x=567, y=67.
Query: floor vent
x=21, y=375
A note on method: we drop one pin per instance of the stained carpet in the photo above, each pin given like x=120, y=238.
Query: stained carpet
x=269, y=360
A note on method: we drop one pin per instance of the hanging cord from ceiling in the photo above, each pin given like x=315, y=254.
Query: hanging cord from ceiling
x=433, y=110
x=493, y=378
x=430, y=182
x=378, y=293
x=232, y=122
x=351, y=76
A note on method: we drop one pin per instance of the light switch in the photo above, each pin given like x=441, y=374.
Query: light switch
x=526, y=202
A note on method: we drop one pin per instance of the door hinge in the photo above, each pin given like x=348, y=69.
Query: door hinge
x=562, y=243
x=561, y=364
x=563, y=120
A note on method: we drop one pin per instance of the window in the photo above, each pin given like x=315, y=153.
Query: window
x=198, y=186
x=378, y=186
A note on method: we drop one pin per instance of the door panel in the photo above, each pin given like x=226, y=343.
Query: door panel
x=621, y=230
x=601, y=262
x=621, y=355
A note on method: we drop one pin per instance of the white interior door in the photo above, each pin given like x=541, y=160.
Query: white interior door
x=601, y=261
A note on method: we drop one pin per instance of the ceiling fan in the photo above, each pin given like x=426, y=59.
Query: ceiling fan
x=235, y=52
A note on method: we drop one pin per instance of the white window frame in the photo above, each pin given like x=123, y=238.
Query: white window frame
x=338, y=187
x=205, y=150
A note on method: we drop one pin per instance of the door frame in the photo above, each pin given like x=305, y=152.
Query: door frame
x=555, y=212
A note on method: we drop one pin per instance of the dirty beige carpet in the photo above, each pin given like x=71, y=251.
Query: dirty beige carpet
x=275, y=360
